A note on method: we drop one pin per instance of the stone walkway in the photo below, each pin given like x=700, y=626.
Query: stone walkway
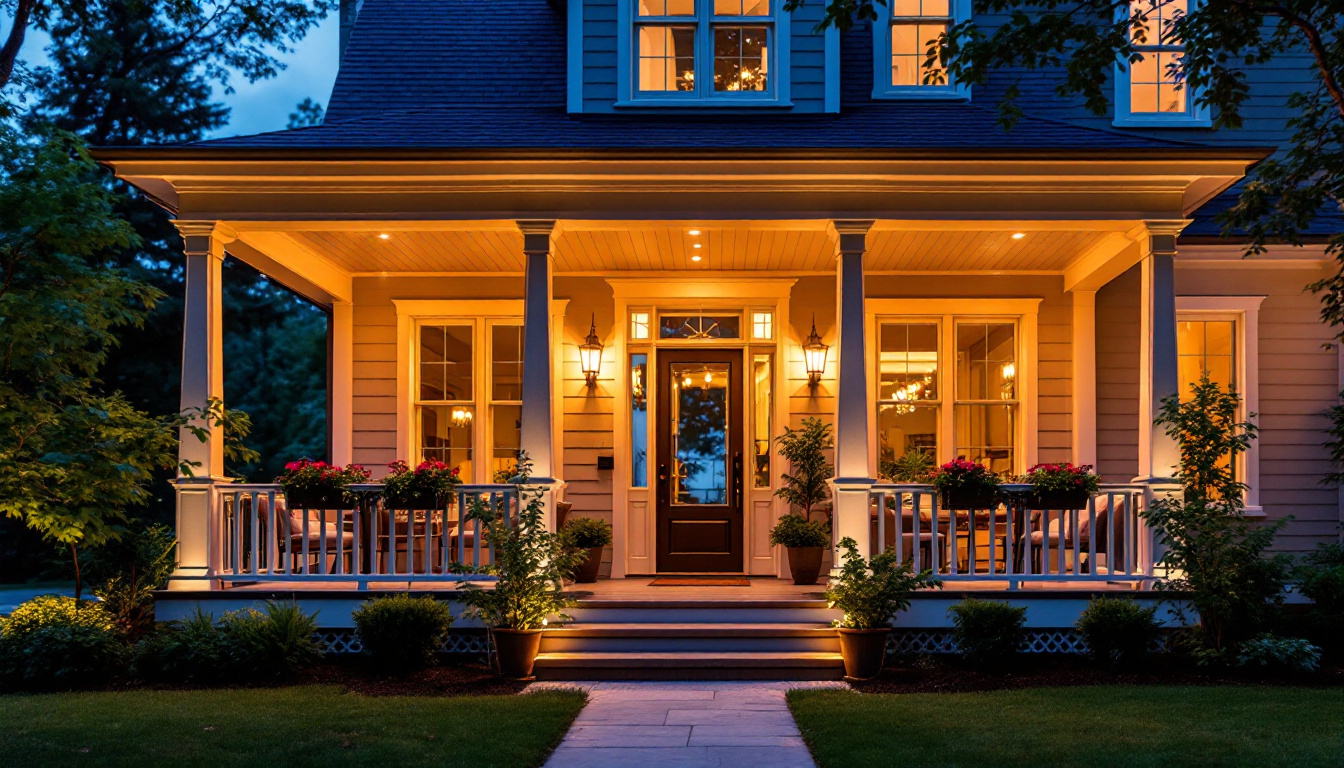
x=684, y=724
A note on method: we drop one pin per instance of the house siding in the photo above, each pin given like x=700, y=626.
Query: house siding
x=1118, y=341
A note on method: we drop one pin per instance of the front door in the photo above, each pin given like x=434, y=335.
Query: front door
x=699, y=443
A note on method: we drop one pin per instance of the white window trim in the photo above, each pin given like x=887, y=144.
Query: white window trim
x=1194, y=116
x=627, y=65
x=1025, y=312
x=480, y=315
x=882, y=87
x=1246, y=311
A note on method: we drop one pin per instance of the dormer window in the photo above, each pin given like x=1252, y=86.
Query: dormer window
x=1151, y=92
x=702, y=51
x=901, y=67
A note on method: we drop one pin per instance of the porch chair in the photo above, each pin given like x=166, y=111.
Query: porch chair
x=339, y=541
x=968, y=545
x=1047, y=556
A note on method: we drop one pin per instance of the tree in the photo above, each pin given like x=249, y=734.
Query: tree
x=306, y=113
x=805, y=484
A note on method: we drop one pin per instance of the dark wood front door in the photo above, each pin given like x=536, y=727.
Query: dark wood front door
x=699, y=439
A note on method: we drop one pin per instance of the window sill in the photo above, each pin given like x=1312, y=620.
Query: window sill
x=716, y=103
x=1157, y=121
x=917, y=93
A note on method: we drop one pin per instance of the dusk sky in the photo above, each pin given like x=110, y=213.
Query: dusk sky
x=265, y=105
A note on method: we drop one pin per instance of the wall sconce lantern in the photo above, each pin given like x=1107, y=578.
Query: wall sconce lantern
x=814, y=356
x=590, y=355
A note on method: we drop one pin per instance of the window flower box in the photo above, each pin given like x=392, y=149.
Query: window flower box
x=318, y=485
x=1061, y=486
x=966, y=485
x=427, y=487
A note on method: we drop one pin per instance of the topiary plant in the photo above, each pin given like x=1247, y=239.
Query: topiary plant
x=402, y=632
x=1118, y=630
x=988, y=633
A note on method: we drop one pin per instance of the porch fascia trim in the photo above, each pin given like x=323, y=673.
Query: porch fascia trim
x=637, y=289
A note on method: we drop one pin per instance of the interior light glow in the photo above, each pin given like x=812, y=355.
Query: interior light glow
x=1019, y=235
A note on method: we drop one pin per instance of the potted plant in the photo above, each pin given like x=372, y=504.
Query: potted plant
x=428, y=486
x=1061, y=486
x=530, y=563
x=318, y=485
x=805, y=541
x=914, y=466
x=870, y=594
x=966, y=485
x=587, y=536
x=806, y=489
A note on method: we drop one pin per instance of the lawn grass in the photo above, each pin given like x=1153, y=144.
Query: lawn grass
x=1169, y=727
x=319, y=726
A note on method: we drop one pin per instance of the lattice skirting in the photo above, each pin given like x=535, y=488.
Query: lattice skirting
x=916, y=641
x=336, y=641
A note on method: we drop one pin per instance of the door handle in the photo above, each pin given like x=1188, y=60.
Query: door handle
x=737, y=479
x=662, y=482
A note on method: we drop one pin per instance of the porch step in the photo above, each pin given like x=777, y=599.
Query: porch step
x=702, y=612
x=691, y=637
x=690, y=666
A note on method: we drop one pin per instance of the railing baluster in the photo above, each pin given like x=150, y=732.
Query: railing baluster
x=236, y=535
x=1092, y=536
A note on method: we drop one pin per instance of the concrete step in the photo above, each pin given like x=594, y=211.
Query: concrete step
x=702, y=612
x=690, y=637
x=690, y=666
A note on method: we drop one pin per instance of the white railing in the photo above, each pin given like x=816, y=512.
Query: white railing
x=1106, y=541
x=256, y=536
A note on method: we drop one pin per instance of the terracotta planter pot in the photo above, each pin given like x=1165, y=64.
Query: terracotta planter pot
x=864, y=651
x=1053, y=500
x=805, y=564
x=960, y=498
x=586, y=573
x=517, y=651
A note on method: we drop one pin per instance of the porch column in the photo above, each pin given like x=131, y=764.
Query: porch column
x=537, y=428
x=852, y=482
x=1159, y=377
x=202, y=381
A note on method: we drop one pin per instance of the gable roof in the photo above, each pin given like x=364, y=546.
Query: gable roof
x=485, y=74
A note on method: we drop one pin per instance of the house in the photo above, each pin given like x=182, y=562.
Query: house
x=639, y=238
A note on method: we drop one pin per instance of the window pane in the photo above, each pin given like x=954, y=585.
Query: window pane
x=985, y=434
x=986, y=361
x=666, y=7
x=639, y=421
x=506, y=362
x=1206, y=346
x=445, y=363
x=910, y=44
x=762, y=325
x=913, y=8
x=764, y=402
x=1156, y=28
x=740, y=58
x=742, y=7
x=639, y=325
x=901, y=429
x=908, y=363
x=447, y=437
x=699, y=327
x=506, y=425
x=699, y=422
x=666, y=58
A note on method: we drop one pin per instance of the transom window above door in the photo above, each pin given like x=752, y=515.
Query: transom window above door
x=703, y=50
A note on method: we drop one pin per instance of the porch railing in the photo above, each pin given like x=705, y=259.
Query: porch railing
x=257, y=536
x=1107, y=541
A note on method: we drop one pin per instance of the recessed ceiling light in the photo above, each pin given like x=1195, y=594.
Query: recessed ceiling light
x=1019, y=235
x=693, y=232
x=695, y=257
x=697, y=245
x=384, y=236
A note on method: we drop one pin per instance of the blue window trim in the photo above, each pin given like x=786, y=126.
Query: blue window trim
x=1194, y=116
x=882, y=87
x=777, y=97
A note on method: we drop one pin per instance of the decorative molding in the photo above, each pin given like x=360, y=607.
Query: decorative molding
x=642, y=290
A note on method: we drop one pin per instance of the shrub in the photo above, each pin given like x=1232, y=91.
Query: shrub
x=128, y=570
x=798, y=531
x=914, y=466
x=1321, y=578
x=1118, y=630
x=1289, y=654
x=274, y=644
x=192, y=651
x=871, y=593
x=62, y=656
x=988, y=633
x=586, y=533
x=54, y=611
x=402, y=632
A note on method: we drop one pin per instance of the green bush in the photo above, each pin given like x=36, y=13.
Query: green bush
x=54, y=611
x=1321, y=578
x=1118, y=630
x=988, y=633
x=797, y=531
x=871, y=593
x=126, y=572
x=402, y=632
x=1288, y=654
x=194, y=651
x=274, y=644
x=62, y=657
x=586, y=533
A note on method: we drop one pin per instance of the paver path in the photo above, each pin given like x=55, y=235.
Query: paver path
x=685, y=724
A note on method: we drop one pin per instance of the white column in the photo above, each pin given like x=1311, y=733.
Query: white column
x=342, y=382
x=1084, y=354
x=852, y=481
x=1159, y=455
x=202, y=381
x=538, y=427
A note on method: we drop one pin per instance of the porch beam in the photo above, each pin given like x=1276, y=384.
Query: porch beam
x=853, y=481
x=538, y=430
x=1159, y=378
x=1105, y=261
x=298, y=268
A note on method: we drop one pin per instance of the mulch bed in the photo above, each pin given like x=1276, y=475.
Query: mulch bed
x=455, y=679
x=933, y=675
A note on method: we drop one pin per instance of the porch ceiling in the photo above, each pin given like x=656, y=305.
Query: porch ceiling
x=792, y=247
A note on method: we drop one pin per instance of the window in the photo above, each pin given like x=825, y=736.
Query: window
x=902, y=46
x=639, y=420
x=1206, y=346
x=639, y=326
x=699, y=326
x=704, y=50
x=445, y=395
x=506, y=399
x=762, y=326
x=1151, y=91
x=986, y=401
x=763, y=401
x=908, y=392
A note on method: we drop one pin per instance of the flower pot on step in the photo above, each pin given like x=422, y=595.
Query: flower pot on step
x=516, y=650
x=864, y=651
x=805, y=564
x=586, y=573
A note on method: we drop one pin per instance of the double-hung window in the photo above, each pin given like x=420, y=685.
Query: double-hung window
x=906, y=49
x=1151, y=91
x=702, y=50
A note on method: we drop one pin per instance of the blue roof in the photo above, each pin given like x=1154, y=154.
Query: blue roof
x=485, y=74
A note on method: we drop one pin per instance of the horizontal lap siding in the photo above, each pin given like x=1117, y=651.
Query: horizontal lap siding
x=1117, y=336
x=1299, y=380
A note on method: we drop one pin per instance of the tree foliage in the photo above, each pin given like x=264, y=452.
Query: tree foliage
x=805, y=485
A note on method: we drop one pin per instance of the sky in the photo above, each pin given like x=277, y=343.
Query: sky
x=266, y=104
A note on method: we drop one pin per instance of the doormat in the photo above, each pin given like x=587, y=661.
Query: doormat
x=700, y=581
